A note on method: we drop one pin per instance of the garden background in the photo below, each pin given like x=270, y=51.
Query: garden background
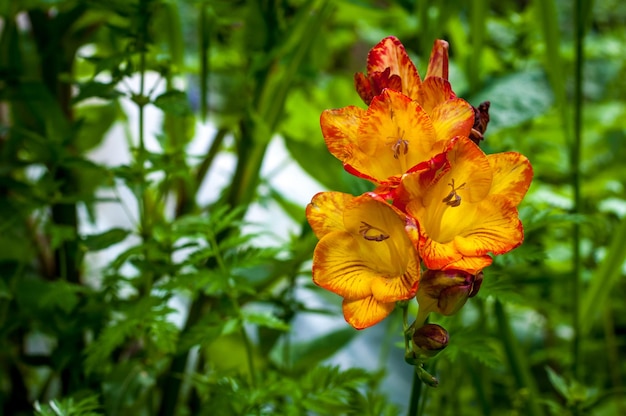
x=156, y=159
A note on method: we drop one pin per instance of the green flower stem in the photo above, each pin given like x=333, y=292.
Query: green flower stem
x=141, y=101
x=612, y=353
x=575, y=166
x=519, y=366
x=416, y=392
x=477, y=375
x=204, y=29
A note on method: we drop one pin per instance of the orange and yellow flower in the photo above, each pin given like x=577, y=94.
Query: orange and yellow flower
x=393, y=135
x=439, y=198
x=465, y=205
x=366, y=254
x=389, y=66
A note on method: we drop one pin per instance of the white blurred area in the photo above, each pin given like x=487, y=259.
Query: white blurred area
x=279, y=170
x=275, y=227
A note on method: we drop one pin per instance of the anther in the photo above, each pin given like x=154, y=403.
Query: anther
x=453, y=199
x=371, y=233
x=400, y=146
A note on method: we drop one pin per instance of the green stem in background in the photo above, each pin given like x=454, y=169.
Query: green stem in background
x=517, y=361
x=547, y=15
x=141, y=100
x=612, y=353
x=604, y=279
x=186, y=200
x=575, y=167
x=204, y=44
x=478, y=17
x=258, y=128
x=416, y=393
x=477, y=375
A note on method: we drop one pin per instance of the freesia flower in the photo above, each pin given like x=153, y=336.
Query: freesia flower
x=465, y=205
x=366, y=254
x=389, y=66
x=393, y=135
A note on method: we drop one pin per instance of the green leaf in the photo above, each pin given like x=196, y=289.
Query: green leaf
x=60, y=234
x=95, y=242
x=310, y=354
x=330, y=390
x=473, y=345
x=558, y=383
x=502, y=289
x=5, y=293
x=92, y=89
x=516, y=98
x=173, y=102
x=604, y=279
x=62, y=295
x=94, y=122
x=70, y=406
x=264, y=319
x=207, y=330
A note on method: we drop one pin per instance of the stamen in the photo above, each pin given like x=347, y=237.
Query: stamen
x=400, y=145
x=377, y=235
x=453, y=199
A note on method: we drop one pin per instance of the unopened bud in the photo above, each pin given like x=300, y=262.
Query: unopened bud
x=478, y=280
x=446, y=291
x=429, y=340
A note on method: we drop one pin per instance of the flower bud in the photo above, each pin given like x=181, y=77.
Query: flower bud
x=478, y=280
x=446, y=291
x=429, y=340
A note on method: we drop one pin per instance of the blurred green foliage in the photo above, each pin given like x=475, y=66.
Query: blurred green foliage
x=191, y=314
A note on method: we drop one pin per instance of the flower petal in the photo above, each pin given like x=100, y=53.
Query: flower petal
x=469, y=165
x=395, y=134
x=372, y=85
x=436, y=255
x=391, y=289
x=457, y=216
x=512, y=174
x=471, y=265
x=390, y=53
x=452, y=118
x=373, y=255
x=340, y=127
x=338, y=266
x=386, y=241
x=465, y=173
x=363, y=313
x=364, y=87
x=325, y=212
x=494, y=228
x=434, y=92
x=438, y=63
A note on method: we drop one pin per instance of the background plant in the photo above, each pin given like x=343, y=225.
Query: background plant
x=188, y=305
